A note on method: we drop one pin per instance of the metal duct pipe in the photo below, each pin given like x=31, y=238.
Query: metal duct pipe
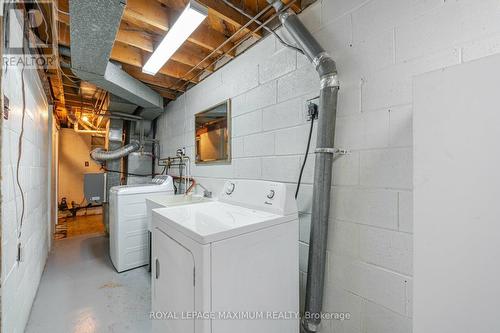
x=125, y=115
x=93, y=29
x=325, y=153
x=100, y=155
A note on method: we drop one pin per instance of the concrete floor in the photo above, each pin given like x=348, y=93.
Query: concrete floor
x=81, y=292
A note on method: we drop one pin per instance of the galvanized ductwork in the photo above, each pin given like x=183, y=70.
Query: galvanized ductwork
x=325, y=153
x=101, y=155
x=93, y=29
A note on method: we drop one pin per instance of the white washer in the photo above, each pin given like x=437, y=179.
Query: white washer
x=128, y=222
x=238, y=255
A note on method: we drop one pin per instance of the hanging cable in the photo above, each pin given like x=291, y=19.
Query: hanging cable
x=313, y=113
x=131, y=174
x=278, y=37
x=20, y=145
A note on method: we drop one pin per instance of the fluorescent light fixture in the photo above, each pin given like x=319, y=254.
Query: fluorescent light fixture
x=188, y=21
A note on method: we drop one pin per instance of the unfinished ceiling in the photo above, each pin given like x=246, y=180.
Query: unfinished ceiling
x=226, y=32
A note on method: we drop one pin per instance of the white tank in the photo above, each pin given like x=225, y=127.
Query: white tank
x=128, y=222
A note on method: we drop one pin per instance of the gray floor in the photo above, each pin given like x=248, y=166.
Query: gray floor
x=80, y=292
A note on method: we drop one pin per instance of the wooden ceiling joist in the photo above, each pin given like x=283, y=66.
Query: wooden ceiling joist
x=144, y=24
x=164, y=92
x=149, y=12
x=187, y=55
x=218, y=9
x=157, y=80
x=132, y=56
x=64, y=34
x=204, y=36
x=211, y=39
x=135, y=38
x=63, y=9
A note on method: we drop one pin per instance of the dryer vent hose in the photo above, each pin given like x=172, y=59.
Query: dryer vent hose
x=101, y=155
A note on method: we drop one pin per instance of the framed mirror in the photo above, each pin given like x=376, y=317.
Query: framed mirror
x=212, y=134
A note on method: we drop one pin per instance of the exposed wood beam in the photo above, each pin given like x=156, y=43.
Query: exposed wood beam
x=157, y=80
x=136, y=13
x=296, y=6
x=150, y=12
x=190, y=56
x=64, y=34
x=185, y=55
x=210, y=39
x=133, y=37
x=164, y=93
x=218, y=9
x=63, y=6
x=126, y=54
x=132, y=56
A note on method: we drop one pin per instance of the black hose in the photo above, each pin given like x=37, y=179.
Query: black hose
x=305, y=157
x=131, y=174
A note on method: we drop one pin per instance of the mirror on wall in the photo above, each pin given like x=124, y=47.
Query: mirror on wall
x=212, y=134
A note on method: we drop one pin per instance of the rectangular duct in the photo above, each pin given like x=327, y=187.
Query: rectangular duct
x=93, y=29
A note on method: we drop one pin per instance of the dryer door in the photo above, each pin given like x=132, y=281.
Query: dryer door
x=173, y=285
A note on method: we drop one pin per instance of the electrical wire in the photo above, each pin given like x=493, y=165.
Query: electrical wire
x=62, y=11
x=131, y=174
x=278, y=37
x=305, y=157
x=20, y=148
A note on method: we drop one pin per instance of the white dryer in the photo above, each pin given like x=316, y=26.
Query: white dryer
x=230, y=265
x=128, y=221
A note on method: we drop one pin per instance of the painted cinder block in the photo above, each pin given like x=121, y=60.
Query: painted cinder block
x=279, y=64
x=281, y=168
x=452, y=23
x=282, y=115
x=389, y=168
x=379, y=319
x=247, y=123
x=249, y=168
x=379, y=46
x=386, y=248
x=367, y=206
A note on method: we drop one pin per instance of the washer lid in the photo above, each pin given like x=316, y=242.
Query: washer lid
x=213, y=221
x=141, y=189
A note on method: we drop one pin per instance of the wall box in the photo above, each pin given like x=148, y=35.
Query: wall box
x=212, y=134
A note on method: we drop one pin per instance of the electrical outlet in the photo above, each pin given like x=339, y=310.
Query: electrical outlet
x=312, y=107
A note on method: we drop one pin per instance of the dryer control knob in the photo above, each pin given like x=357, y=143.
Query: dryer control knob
x=230, y=188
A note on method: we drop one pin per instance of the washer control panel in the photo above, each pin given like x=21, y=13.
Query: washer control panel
x=258, y=194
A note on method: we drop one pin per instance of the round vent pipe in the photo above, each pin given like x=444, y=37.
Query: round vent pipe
x=325, y=153
x=101, y=155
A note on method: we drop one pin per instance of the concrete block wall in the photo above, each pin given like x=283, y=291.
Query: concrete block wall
x=379, y=46
x=19, y=281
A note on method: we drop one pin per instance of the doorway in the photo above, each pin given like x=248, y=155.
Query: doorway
x=75, y=215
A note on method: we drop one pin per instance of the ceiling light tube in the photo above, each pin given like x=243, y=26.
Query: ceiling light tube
x=188, y=21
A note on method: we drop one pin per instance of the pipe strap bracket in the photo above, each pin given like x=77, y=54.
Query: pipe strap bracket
x=333, y=151
x=329, y=81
